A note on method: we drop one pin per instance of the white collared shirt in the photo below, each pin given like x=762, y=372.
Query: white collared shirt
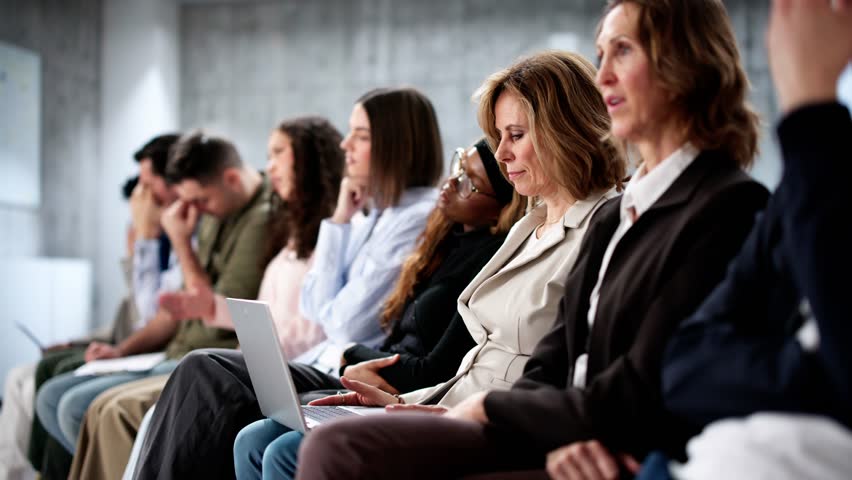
x=641, y=193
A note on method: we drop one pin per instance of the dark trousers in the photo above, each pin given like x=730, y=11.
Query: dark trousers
x=208, y=399
x=47, y=455
x=412, y=446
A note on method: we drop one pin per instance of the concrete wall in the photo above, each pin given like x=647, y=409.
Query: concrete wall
x=249, y=64
x=112, y=78
x=109, y=83
x=140, y=88
x=67, y=37
x=749, y=18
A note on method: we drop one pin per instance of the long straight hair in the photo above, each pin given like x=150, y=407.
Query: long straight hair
x=405, y=142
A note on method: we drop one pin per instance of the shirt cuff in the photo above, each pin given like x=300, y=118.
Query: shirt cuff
x=221, y=317
x=146, y=248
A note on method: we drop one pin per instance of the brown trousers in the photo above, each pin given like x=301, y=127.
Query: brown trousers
x=110, y=427
x=411, y=446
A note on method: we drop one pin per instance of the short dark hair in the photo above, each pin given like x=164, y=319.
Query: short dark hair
x=128, y=186
x=201, y=157
x=405, y=140
x=157, y=149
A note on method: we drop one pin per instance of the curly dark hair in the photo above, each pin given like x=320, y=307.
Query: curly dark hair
x=317, y=171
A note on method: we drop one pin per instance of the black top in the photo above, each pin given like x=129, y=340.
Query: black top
x=659, y=273
x=431, y=332
x=738, y=354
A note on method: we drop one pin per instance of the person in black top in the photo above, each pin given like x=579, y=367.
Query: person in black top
x=769, y=348
x=417, y=315
x=476, y=208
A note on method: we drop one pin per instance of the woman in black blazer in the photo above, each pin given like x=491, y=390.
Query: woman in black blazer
x=675, y=90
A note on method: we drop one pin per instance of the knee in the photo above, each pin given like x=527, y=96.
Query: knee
x=246, y=446
x=194, y=359
x=69, y=407
x=112, y=410
x=197, y=362
x=281, y=456
x=69, y=414
x=69, y=418
x=48, y=397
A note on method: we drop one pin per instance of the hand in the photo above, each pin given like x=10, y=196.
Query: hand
x=471, y=409
x=809, y=45
x=197, y=301
x=368, y=372
x=101, y=351
x=588, y=461
x=362, y=395
x=179, y=221
x=144, y=212
x=352, y=197
x=414, y=407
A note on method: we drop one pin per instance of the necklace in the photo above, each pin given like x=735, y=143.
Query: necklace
x=543, y=227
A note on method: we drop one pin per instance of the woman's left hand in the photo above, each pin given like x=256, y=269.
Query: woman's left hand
x=472, y=409
x=361, y=395
x=368, y=372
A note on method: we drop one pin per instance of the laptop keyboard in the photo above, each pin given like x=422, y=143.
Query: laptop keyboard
x=324, y=414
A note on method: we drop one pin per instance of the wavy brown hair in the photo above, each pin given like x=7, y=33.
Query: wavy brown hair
x=430, y=252
x=317, y=170
x=693, y=54
x=568, y=119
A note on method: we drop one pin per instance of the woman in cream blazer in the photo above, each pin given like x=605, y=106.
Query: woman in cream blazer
x=512, y=302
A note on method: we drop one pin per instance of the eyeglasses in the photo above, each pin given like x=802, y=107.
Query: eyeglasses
x=458, y=175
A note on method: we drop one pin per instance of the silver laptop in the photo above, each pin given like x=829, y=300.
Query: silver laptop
x=270, y=374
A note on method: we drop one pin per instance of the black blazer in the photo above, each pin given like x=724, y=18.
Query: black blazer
x=661, y=270
x=741, y=344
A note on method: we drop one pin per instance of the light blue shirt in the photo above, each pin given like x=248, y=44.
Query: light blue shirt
x=149, y=281
x=355, y=268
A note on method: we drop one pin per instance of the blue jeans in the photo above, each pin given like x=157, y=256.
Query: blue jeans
x=61, y=403
x=655, y=467
x=265, y=450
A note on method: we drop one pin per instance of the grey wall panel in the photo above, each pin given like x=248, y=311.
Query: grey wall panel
x=67, y=37
x=247, y=65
